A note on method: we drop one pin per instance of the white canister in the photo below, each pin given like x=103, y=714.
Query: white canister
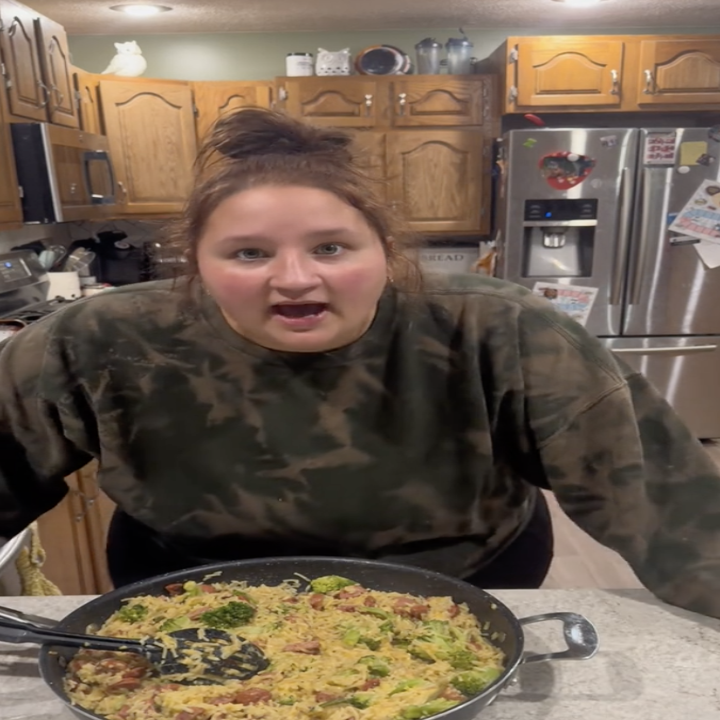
x=65, y=285
x=299, y=64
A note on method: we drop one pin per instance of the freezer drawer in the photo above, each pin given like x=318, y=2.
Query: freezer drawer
x=685, y=370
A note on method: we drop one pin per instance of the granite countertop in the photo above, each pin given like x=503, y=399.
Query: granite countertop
x=655, y=662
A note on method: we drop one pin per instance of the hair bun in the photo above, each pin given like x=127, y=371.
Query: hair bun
x=255, y=132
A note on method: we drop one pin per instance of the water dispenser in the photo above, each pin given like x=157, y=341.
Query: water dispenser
x=559, y=238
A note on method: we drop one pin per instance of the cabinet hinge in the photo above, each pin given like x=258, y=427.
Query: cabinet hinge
x=513, y=94
x=3, y=69
x=8, y=81
x=195, y=110
x=514, y=54
x=78, y=98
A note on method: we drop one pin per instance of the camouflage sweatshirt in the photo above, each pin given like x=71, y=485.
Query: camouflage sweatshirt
x=422, y=442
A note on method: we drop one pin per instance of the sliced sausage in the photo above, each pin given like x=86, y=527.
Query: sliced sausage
x=174, y=589
x=208, y=589
x=370, y=684
x=454, y=610
x=350, y=592
x=369, y=601
x=323, y=697
x=137, y=672
x=317, y=601
x=310, y=647
x=452, y=694
x=124, y=684
x=346, y=608
x=410, y=608
x=252, y=696
x=191, y=714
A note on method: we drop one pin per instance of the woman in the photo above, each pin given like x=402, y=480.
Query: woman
x=301, y=394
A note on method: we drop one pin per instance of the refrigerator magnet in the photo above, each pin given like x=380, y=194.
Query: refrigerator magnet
x=609, y=141
x=683, y=169
x=564, y=170
x=706, y=160
x=714, y=133
x=530, y=143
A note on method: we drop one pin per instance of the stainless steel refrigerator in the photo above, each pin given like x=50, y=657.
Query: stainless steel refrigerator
x=593, y=208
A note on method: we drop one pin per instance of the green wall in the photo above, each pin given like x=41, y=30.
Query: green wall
x=261, y=56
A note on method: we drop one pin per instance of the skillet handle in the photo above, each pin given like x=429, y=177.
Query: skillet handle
x=579, y=633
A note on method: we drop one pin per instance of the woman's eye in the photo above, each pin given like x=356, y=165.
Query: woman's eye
x=329, y=249
x=249, y=254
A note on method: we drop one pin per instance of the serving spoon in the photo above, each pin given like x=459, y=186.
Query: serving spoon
x=220, y=657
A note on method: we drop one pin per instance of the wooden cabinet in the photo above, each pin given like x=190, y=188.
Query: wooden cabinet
x=57, y=72
x=343, y=102
x=10, y=208
x=440, y=101
x=614, y=73
x=73, y=537
x=215, y=99
x=87, y=87
x=437, y=178
x=151, y=129
x=28, y=95
x=554, y=71
x=679, y=72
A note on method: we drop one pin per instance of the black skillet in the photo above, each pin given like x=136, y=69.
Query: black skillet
x=579, y=634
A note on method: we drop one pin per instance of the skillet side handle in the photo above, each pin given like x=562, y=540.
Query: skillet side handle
x=579, y=633
x=11, y=616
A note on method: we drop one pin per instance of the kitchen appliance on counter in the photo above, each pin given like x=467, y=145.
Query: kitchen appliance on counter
x=65, y=175
x=24, y=286
x=593, y=208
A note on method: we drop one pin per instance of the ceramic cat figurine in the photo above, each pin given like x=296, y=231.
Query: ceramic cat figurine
x=333, y=63
x=129, y=61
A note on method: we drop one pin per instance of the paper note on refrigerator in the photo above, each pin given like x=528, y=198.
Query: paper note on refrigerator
x=691, y=152
x=709, y=253
x=573, y=300
x=700, y=218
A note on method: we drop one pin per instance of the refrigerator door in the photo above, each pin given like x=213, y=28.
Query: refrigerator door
x=610, y=184
x=670, y=291
x=684, y=370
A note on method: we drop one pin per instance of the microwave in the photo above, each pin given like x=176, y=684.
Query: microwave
x=65, y=175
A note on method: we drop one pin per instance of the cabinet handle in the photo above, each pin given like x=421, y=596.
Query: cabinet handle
x=46, y=93
x=124, y=192
x=615, y=82
x=402, y=100
x=58, y=94
x=649, y=83
x=368, y=103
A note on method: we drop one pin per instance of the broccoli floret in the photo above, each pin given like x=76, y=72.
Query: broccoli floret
x=371, y=643
x=438, y=628
x=228, y=616
x=461, y=659
x=377, y=612
x=174, y=624
x=330, y=584
x=475, y=681
x=406, y=685
x=132, y=613
x=351, y=637
x=376, y=667
x=360, y=701
x=192, y=588
x=417, y=712
x=286, y=701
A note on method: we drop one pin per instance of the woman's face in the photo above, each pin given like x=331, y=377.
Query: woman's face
x=293, y=269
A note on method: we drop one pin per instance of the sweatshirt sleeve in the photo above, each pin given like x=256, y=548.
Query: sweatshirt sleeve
x=628, y=472
x=35, y=452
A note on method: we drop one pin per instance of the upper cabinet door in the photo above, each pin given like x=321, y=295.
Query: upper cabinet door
x=215, y=99
x=88, y=100
x=556, y=71
x=151, y=130
x=334, y=101
x=28, y=96
x=10, y=208
x=57, y=71
x=437, y=179
x=679, y=72
x=438, y=101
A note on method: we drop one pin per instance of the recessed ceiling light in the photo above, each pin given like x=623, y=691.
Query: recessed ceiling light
x=141, y=9
x=580, y=3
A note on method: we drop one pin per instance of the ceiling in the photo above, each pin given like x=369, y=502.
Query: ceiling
x=93, y=17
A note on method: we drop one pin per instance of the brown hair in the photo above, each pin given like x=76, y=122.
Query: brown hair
x=253, y=147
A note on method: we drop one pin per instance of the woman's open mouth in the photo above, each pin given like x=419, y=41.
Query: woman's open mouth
x=302, y=316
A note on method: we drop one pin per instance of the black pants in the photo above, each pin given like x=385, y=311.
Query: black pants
x=135, y=552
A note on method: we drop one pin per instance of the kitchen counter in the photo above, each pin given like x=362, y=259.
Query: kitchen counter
x=655, y=662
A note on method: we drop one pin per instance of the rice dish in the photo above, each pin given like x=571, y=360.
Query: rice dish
x=337, y=651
